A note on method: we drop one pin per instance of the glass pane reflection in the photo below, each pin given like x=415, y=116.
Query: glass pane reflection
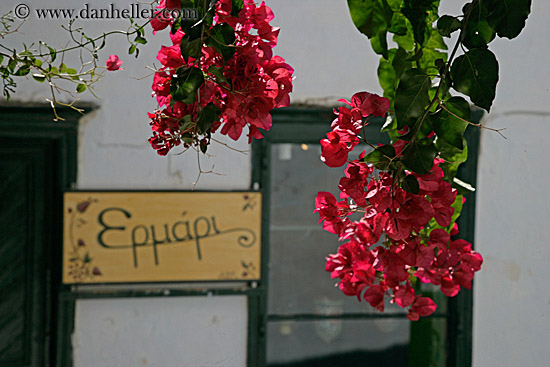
x=381, y=342
x=298, y=282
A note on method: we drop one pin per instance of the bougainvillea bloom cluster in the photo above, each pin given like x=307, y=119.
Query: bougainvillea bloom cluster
x=400, y=236
x=240, y=90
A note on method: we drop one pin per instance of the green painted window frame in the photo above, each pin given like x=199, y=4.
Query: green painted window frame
x=308, y=125
x=35, y=123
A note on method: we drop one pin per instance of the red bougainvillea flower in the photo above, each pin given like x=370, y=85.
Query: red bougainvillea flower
x=169, y=4
x=244, y=86
x=335, y=148
x=369, y=104
x=422, y=306
x=399, y=234
x=113, y=63
x=159, y=21
x=330, y=210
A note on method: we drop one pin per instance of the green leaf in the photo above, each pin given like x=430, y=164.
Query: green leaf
x=187, y=138
x=370, y=16
x=421, y=132
x=419, y=156
x=186, y=123
x=390, y=70
x=395, y=5
x=52, y=70
x=379, y=44
x=429, y=58
x=237, y=6
x=386, y=78
x=140, y=40
x=203, y=146
x=190, y=48
x=39, y=78
x=188, y=3
x=81, y=88
x=26, y=53
x=416, y=56
x=462, y=186
x=222, y=39
x=411, y=97
x=390, y=127
x=400, y=62
x=478, y=32
x=389, y=124
x=398, y=24
x=12, y=64
x=421, y=14
x=185, y=83
x=453, y=157
x=53, y=53
x=410, y=184
x=435, y=41
x=218, y=73
x=381, y=156
x=207, y=116
x=451, y=126
x=507, y=17
x=405, y=41
x=23, y=70
x=457, y=206
x=132, y=49
x=476, y=74
x=189, y=27
x=103, y=42
x=447, y=25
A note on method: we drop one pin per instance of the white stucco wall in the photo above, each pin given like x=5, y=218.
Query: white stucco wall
x=512, y=292
x=332, y=60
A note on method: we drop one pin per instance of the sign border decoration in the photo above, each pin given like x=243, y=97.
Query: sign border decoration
x=161, y=236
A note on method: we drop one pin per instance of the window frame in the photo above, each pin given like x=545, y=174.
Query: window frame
x=34, y=123
x=308, y=125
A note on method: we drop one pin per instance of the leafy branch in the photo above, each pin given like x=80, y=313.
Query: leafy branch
x=40, y=62
x=428, y=119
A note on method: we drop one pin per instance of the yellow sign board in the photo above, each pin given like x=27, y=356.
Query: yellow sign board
x=122, y=237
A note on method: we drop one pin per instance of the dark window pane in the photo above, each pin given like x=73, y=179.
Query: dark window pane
x=380, y=342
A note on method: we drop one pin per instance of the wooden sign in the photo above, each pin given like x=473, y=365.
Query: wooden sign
x=120, y=237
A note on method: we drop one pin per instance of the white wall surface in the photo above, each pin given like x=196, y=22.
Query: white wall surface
x=161, y=332
x=512, y=291
x=332, y=60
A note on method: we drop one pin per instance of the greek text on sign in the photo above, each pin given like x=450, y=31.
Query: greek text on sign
x=121, y=237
